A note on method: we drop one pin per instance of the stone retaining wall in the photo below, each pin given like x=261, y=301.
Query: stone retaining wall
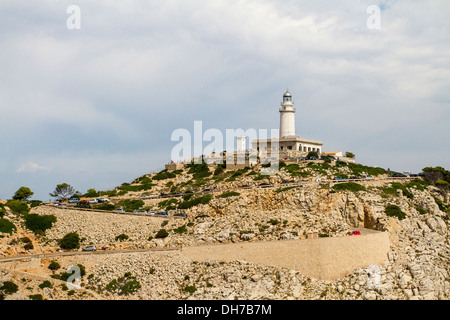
x=322, y=258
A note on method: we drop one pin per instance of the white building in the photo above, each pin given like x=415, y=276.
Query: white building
x=288, y=144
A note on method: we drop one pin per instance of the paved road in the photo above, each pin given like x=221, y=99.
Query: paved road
x=76, y=253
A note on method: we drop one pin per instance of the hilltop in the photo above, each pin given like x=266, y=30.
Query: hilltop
x=241, y=206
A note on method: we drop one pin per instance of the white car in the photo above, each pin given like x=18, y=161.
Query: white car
x=139, y=211
x=118, y=210
x=93, y=201
x=90, y=248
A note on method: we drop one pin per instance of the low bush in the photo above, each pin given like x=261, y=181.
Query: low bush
x=125, y=285
x=36, y=297
x=190, y=289
x=194, y=202
x=18, y=207
x=35, y=203
x=229, y=194
x=121, y=237
x=394, y=211
x=7, y=226
x=54, y=265
x=350, y=186
x=130, y=205
x=162, y=233
x=180, y=230
x=45, y=284
x=105, y=206
x=163, y=175
x=9, y=287
x=70, y=241
x=39, y=224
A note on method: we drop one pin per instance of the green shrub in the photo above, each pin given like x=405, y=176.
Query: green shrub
x=18, y=207
x=70, y=241
x=284, y=189
x=125, y=285
x=162, y=233
x=130, y=205
x=229, y=194
x=105, y=206
x=273, y=222
x=421, y=210
x=121, y=237
x=190, y=289
x=9, y=287
x=180, y=230
x=394, y=211
x=54, y=265
x=45, y=284
x=36, y=297
x=194, y=202
x=219, y=170
x=7, y=226
x=35, y=203
x=39, y=224
x=2, y=210
x=163, y=175
x=167, y=203
x=28, y=246
x=350, y=186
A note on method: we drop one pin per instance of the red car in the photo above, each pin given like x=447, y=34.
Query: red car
x=355, y=233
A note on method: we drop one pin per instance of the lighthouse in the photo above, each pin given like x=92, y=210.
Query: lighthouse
x=287, y=117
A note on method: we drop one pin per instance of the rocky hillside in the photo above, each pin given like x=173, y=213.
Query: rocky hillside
x=413, y=211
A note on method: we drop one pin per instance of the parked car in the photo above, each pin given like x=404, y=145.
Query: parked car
x=154, y=195
x=339, y=178
x=265, y=185
x=139, y=211
x=93, y=201
x=189, y=191
x=74, y=200
x=355, y=233
x=367, y=177
x=207, y=190
x=60, y=205
x=151, y=212
x=145, y=196
x=83, y=202
x=398, y=175
x=176, y=194
x=161, y=213
x=202, y=216
x=90, y=248
x=118, y=210
x=286, y=182
x=245, y=186
x=354, y=178
x=180, y=214
x=102, y=200
x=164, y=195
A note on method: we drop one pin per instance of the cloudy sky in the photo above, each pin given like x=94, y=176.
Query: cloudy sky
x=96, y=106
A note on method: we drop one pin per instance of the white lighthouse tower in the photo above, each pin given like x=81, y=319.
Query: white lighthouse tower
x=287, y=117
